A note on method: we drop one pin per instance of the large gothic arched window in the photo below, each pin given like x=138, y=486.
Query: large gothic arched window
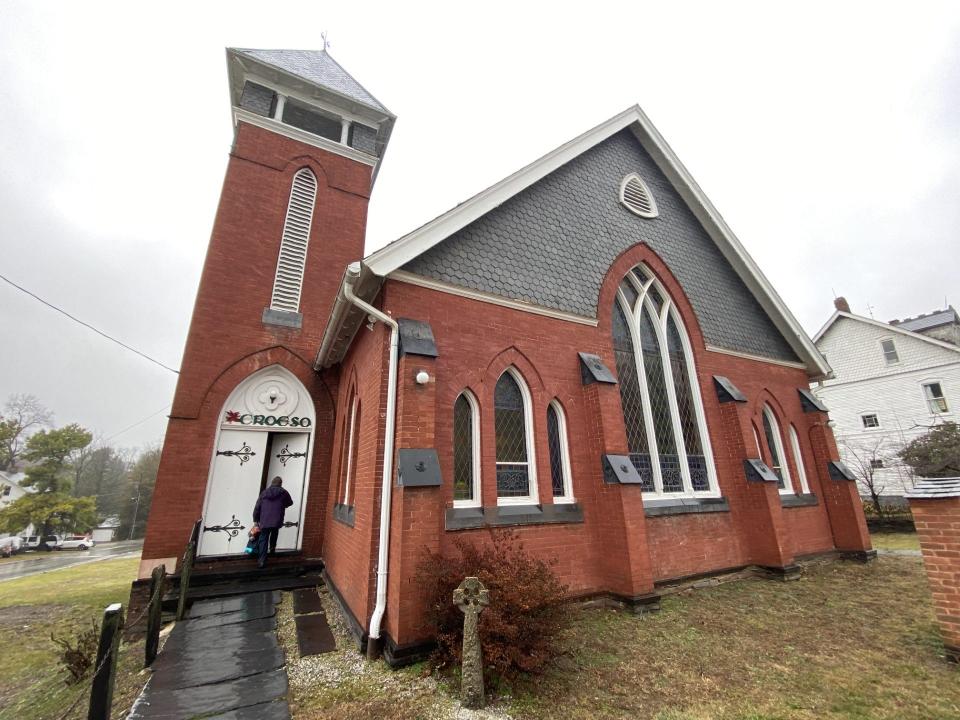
x=513, y=423
x=666, y=428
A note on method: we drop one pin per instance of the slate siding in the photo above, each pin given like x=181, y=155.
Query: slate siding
x=553, y=243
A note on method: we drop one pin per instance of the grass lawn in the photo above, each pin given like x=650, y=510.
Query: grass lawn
x=845, y=641
x=31, y=680
x=895, y=541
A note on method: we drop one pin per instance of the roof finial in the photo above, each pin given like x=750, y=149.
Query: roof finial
x=326, y=43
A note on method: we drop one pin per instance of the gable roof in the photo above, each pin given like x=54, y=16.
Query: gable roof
x=318, y=67
x=895, y=329
x=394, y=256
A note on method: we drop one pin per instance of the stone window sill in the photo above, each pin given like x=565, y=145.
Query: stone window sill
x=805, y=500
x=282, y=318
x=684, y=506
x=512, y=515
x=343, y=513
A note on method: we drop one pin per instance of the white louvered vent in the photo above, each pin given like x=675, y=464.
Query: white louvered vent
x=293, y=243
x=635, y=194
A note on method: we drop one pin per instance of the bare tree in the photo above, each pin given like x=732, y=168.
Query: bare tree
x=22, y=416
x=868, y=460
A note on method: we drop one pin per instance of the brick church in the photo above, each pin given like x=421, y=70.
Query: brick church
x=583, y=352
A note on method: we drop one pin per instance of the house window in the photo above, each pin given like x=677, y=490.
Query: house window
x=659, y=394
x=466, y=451
x=935, y=399
x=889, y=351
x=293, y=242
x=513, y=421
x=778, y=459
x=870, y=420
x=798, y=460
x=559, y=453
x=876, y=463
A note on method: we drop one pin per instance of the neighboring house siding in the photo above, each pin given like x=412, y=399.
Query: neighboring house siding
x=865, y=384
x=553, y=243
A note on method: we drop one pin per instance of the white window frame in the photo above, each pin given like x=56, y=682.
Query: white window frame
x=930, y=399
x=875, y=416
x=476, y=500
x=883, y=350
x=533, y=496
x=798, y=459
x=565, y=468
x=771, y=416
x=668, y=308
x=352, y=440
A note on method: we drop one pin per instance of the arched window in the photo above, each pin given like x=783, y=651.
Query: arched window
x=660, y=397
x=778, y=458
x=466, y=451
x=513, y=421
x=351, y=467
x=798, y=460
x=559, y=454
x=293, y=242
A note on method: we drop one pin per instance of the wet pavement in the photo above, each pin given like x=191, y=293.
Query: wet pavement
x=39, y=561
x=222, y=663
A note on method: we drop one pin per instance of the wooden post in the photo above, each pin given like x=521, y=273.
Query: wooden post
x=154, y=614
x=101, y=691
x=186, y=569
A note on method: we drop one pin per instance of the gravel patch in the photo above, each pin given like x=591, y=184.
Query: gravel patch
x=344, y=682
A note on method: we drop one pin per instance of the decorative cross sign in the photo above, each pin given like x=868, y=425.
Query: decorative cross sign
x=471, y=597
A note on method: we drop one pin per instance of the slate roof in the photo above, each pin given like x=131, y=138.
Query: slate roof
x=318, y=67
x=930, y=320
x=553, y=243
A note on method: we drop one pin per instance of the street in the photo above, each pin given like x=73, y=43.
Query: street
x=35, y=562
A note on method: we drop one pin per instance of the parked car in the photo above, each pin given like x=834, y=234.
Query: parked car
x=13, y=542
x=7, y=547
x=78, y=542
x=35, y=542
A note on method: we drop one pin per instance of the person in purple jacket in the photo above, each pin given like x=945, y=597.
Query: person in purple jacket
x=268, y=516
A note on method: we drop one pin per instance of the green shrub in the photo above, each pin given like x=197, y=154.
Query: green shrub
x=519, y=629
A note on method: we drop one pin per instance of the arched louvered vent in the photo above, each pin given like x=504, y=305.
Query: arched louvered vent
x=293, y=243
x=635, y=194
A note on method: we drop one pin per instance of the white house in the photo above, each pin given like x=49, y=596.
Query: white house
x=890, y=385
x=10, y=488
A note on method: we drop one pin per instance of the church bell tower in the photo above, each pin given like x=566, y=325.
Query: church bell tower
x=308, y=141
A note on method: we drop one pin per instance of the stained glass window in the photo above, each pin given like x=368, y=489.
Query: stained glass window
x=463, y=449
x=661, y=406
x=556, y=442
x=772, y=433
x=631, y=398
x=513, y=476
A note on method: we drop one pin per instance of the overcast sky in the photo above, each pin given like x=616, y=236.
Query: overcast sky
x=829, y=139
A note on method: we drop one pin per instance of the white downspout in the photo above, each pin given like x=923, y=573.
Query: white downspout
x=353, y=272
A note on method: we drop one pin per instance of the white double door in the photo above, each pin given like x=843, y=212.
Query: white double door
x=245, y=462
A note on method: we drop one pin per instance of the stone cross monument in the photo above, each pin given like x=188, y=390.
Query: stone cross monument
x=471, y=597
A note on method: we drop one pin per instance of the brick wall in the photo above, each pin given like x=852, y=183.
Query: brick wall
x=227, y=339
x=616, y=549
x=938, y=526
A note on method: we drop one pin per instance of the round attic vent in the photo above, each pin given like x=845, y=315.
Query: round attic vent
x=635, y=194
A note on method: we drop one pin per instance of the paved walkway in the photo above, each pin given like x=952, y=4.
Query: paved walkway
x=222, y=663
x=38, y=561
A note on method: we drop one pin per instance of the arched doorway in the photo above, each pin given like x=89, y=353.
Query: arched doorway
x=265, y=430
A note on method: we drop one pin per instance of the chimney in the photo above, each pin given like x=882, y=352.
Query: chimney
x=841, y=304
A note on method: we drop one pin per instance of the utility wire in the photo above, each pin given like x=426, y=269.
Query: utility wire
x=138, y=422
x=88, y=325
